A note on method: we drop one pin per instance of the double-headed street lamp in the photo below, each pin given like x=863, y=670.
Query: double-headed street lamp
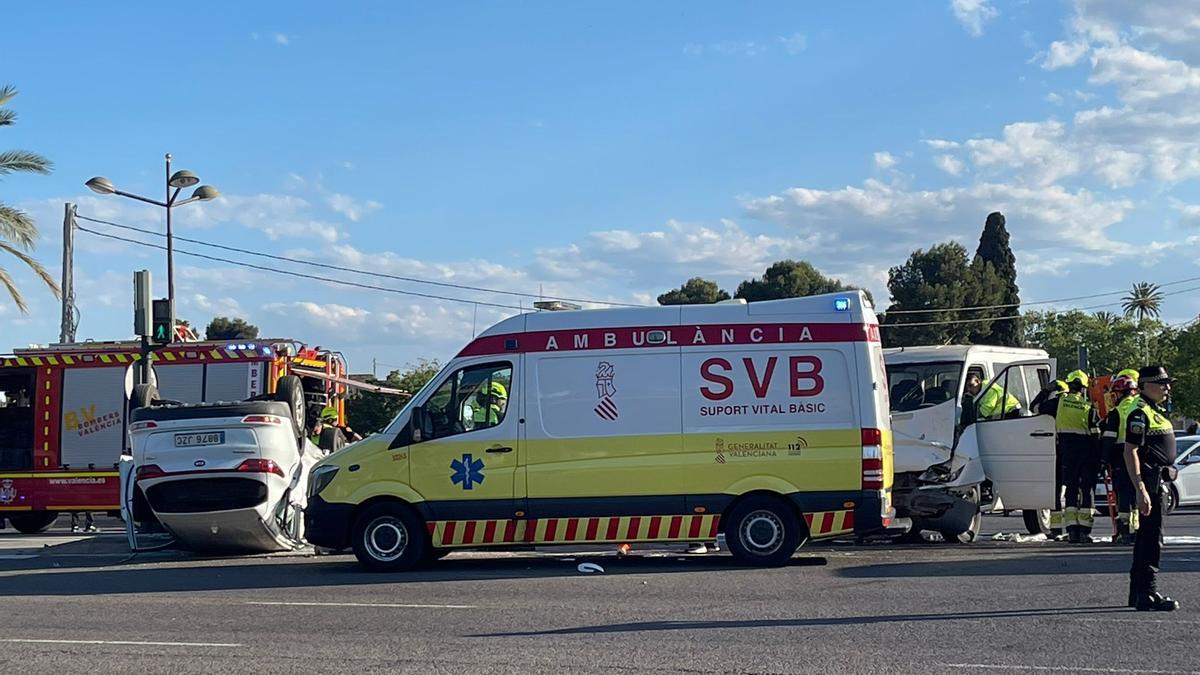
x=176, y=181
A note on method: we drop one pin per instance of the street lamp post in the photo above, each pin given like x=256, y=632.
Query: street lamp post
x=176, y=181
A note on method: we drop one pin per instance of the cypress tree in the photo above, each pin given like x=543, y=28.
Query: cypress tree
x=994, y=249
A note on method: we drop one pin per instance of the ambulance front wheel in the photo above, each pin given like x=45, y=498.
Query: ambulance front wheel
x=388, y=537
x=763, y=531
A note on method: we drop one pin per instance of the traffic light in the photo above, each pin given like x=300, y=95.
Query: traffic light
x=163, y=330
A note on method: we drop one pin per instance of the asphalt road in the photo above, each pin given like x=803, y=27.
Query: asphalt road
x=993, y=606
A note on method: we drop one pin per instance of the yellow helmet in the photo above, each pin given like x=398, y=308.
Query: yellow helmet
x=1077, y=376
x=494, y=389
x=1131, y=373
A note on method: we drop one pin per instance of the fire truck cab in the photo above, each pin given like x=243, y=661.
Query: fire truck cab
x=64, y=411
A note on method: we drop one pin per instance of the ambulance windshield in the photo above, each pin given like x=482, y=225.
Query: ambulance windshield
x=912, y=386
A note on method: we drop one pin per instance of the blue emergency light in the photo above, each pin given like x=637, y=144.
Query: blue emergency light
x=842, y=304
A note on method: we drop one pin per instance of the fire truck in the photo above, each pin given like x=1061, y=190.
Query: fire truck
x=64, y=411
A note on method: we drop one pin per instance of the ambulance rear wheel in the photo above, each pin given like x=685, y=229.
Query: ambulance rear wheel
x=33, y=523
x=388, y=537
x=763, y=531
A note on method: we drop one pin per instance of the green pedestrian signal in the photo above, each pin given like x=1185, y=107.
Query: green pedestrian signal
x=163, y=318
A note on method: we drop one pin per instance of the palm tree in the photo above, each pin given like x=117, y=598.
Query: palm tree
x=1107, y=319
x=18, y=233
x=1144, y=300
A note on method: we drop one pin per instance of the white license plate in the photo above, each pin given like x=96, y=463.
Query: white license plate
x=194, y=440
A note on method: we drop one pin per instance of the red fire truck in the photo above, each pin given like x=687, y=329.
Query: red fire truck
x=63, y=411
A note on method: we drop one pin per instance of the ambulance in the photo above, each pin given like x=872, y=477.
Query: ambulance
x=766, y=421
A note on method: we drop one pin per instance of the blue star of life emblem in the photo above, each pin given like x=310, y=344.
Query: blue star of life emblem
x=468, y=471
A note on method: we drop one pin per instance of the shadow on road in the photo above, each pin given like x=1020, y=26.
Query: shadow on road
x=644, y=626
x=1071, y=561
x=343, y=571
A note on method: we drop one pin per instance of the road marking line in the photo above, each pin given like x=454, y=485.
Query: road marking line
x=121, y=642
x=18, y=556
x=1173, y=622
x=1070, y=669
x=361, y=604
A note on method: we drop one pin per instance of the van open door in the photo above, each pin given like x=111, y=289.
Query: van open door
x=1016, y=445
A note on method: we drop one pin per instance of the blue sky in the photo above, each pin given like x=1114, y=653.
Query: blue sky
x=606, y=152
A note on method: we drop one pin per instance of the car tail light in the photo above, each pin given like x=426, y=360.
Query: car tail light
x=262, y=419
x=147, y=471
x=872, y=459
x=138, y=426
x=261, y=466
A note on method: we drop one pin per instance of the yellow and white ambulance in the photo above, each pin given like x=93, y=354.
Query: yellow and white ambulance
x=766, y=421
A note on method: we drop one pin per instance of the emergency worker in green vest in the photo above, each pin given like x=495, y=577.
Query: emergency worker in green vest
x=1112, y=437
x=1077, y=426
x=493, y=400
x=1149, y=458
x=993, y=401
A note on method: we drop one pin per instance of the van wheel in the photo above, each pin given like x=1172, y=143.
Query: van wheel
x=36, y=522
x=972, y=531
x=1037, y=521
x=387, y=537
x=290, y=390
x=763, y=531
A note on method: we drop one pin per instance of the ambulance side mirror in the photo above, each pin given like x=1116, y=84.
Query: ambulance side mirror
x=416, y=422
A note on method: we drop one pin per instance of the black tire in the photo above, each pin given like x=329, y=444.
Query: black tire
x=332, y=439
x=1037, y=521
x=389, y=537
x=290, y=390
x=972, y=531
x=1170, y=498
x=143, y=396
x=35, y=522
x=763, y=531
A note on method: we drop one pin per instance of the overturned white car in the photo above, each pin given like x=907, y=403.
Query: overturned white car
x=224, y=476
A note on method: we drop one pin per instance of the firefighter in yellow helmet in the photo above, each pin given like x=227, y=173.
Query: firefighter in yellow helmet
x=1112, y=435
x=1077, y=424
x=493, y=400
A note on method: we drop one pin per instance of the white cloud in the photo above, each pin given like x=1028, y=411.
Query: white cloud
x=281, y=39
x=1054, y=98
x=940, y=144
x=1064, y=54
x=949, y=163
x=351, y=207
x=885, y=160
x=973, y=14
x=794, y=43
x=1036, y=149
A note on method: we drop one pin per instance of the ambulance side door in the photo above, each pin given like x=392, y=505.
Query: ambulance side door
x=465, y=461
x=1018, y=452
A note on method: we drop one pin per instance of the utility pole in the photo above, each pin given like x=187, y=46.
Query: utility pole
x=374, y=368
x=69, y=324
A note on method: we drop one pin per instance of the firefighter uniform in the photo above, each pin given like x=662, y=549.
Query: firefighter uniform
x=1149, y=433
x=1077, y=426
x=1113, y=441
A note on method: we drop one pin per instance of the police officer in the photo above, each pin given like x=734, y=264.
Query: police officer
x=1149, y=453
x=1077, y=424
x=1112, y=436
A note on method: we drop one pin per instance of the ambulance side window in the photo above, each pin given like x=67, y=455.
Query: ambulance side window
x=471, y=399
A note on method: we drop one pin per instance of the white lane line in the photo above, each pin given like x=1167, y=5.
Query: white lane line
x=1173, y=622
x=120, y=642
x=361, y=604
x=18, y=556
x=1065, y=669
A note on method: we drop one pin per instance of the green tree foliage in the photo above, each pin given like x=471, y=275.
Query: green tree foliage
x=1185, y=367
x=1113, y=343
x=789, y=279
x=18, y=233
x=1144, y=301
x=995, y=250
x=368, y=412
x=940, y=278
x=696, y=291
x=225, y=328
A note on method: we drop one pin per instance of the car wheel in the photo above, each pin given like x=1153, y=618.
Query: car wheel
x=763, y=531
x=142, y=396
x=332, y=440
x=36, y=522
x=290, y=390
x=1170, y=499
x=972, y=531
x=389, y=537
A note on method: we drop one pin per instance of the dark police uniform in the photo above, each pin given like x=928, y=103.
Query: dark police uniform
x=1150, y=430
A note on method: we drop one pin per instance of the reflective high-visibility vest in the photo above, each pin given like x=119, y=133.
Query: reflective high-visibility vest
x=989, y=405
x=1073, y=414
x=1126, y=406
